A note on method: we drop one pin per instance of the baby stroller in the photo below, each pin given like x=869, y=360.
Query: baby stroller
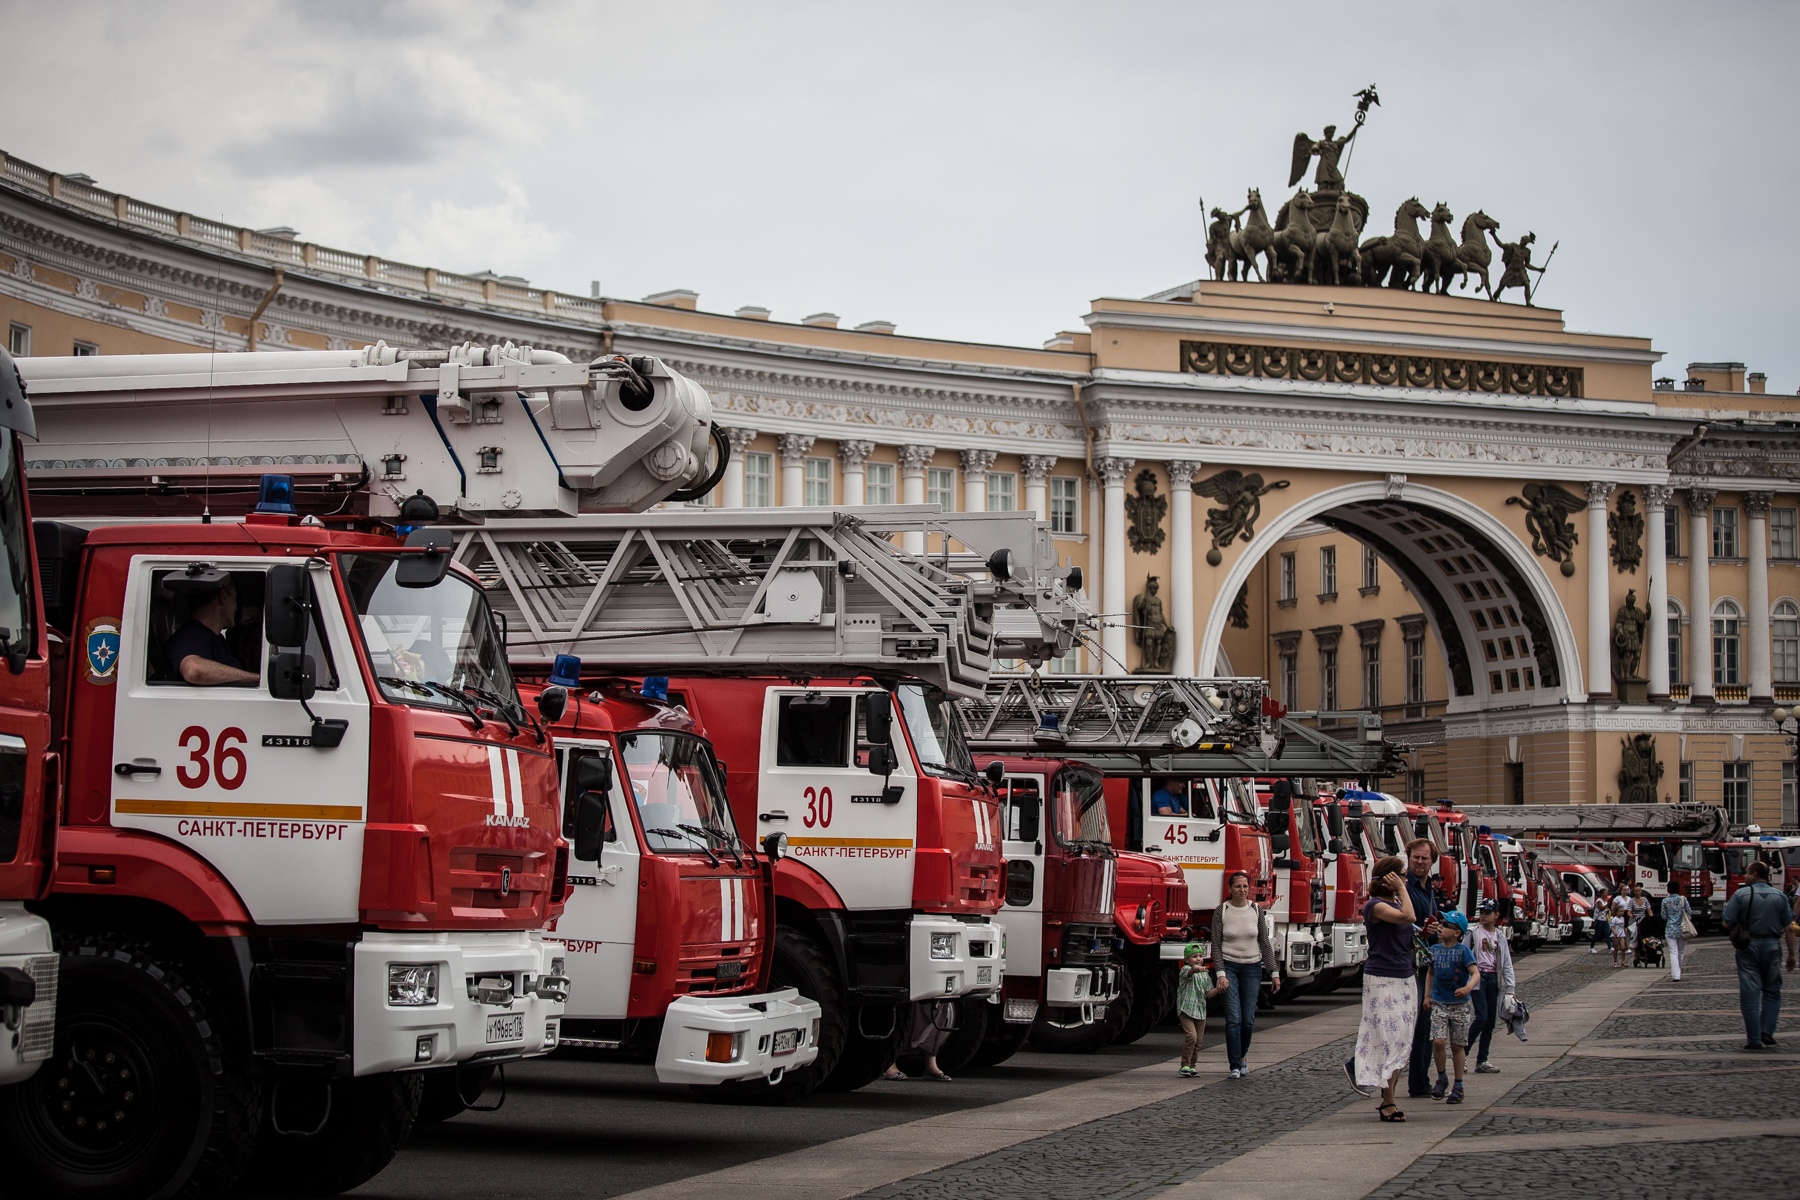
x=1649, y=945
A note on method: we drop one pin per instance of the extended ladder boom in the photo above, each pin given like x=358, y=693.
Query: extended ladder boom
x=813, y=591
x=1613, y=855
x=503, y=430
x=1703, y=821
x=1081, y=715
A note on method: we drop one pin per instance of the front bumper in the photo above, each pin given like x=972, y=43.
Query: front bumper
x=457, y=1027
x=1303, y=952
x=711, y=1040
x=27, y=1032
x=950, y=958
x=1349, y=944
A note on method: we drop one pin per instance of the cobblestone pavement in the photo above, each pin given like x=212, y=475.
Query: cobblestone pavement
x=1663, y=1171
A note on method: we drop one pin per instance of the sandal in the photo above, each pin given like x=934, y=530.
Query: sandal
x=937, y=1077
x=896, y=1075
x=1395, y=1115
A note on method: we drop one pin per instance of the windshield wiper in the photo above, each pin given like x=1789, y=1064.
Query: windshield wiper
x=704, y=845
x=501, y=707
x=726, y=839
x=432, y=687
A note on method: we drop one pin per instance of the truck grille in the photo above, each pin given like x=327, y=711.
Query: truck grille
x=481, y=878
x=37, y=1032
x=1087, y=945
x=719, y=971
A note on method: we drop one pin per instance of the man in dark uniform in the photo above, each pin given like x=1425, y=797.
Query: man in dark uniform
x=198, y=652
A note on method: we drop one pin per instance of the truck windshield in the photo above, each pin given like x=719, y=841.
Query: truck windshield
x=1690, y=857
x=1080, y=808
x=15, y=572
x=1738, y=860
x=935, y=734
x=424, y=642
x=676, y=787
x=1383, y=832
x=1715, y=860
x=1237, y=801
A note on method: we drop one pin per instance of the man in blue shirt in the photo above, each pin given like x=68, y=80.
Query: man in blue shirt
x=1767, y=917
x=1167, y=800
x=1421, y=864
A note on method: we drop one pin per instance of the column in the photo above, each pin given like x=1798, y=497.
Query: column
x=1181, y=563
x=794, y=448
x=731, y=488
x=1656, y=503
x=975, y=464
x=1762, y=661
x=1115, y=615
x=913, y=461
x=1700, y=594
x=1036, y=470
x=853, y=456
x=1599, y=680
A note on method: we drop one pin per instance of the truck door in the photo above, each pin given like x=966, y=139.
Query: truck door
x=1653, y=867
x=1023, y=834
x=856, y=828
x=1190, y=832
x=24, y=696
x=226, y=769
x=599, y=926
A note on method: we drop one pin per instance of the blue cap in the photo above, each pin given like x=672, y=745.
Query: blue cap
x=1457, y=919
x=566, y=671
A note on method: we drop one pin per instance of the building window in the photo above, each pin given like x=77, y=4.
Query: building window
x=1415, y=787
x=1415, y=670
x=1675, y=621
x=1727, y=621
x=1065, y=504
x=1784, y=533
x=86, y=350
x=1515, y=783
x=1790, y=797
x=1371, y=676
x=1371, y=573
x=1290, y=581
x=759, y=480
x=1737, y=792
x=878, y=483
x=1068, y=664
x=1328, y=680
x=1785, y=628
x=1672, y=531
x=1684, y=783
x=1327, y=571
x=1725, y=533
x=18, y=341
x=940, y=487
x=1290, y=678
x=1003, y=493
x=817, y=493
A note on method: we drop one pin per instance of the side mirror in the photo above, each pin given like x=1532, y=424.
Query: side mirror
x=995, y=772
x=423, y=570
x=878, y=713
x=883, y=760
x=1278, y=843
x=594, y=773
x=1276, y=819
x=291, y=676
x=1334, y=821
x=1215, y=833
x=1030, y=812
x=593, y=821
x=552, y=702
x=1335, y=846
x=1422, y=827
x=287, y=599
x=775, y=846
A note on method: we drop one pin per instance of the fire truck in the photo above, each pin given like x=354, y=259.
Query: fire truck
x=308, y=862
x=748, y=622
x=1583, y=868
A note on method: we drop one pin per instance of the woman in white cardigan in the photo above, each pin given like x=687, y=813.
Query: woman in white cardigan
x=1243, y=945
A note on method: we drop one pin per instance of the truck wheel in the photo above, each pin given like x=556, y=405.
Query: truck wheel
x=1153, y=994
x=1003, y=1040
x=1086, y=1039
x=965, y=1041
x=864, y=1058
x=369, y=1120
x=142, y=1096
x=448, y=1091
x=800, y=964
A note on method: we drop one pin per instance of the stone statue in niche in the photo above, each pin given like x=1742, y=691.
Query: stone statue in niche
x=1628, y=648
x=1145, y=511
x=1241, y=495
x=1626, y=524
x=1547, y=511
x=1240, y=608
x=1150, y=630
x=1640, y=771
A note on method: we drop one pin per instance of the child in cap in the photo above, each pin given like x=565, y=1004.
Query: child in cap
x=1191, y=994
x=1451, y=980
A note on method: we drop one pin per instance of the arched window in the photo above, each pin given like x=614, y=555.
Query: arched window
x=1676, y=617
x=1785, y=623
x=1727, y=624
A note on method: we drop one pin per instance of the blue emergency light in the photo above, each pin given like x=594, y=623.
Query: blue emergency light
x=566, y=671
x=276, y=495
x=655, y=687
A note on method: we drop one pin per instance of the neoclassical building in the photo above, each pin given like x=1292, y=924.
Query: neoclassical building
x=1426, y=507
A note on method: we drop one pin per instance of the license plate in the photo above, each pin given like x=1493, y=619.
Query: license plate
x=731, y=970
x=506, y=1027
x=984, y=974
x=786, y=1041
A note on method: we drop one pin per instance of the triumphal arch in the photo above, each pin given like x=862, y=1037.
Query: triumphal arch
x=1354, y=461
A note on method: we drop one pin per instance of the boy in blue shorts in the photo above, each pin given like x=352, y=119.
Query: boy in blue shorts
x=1452, y=1011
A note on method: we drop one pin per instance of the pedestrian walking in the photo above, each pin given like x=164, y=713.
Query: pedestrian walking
x=928, y=1025
x=1451, y=980
x=1759, y=919
x=1421, y=858
x=1243, y=942
x=1493, y=959
x=1384, y=1036
x=1600, y=920
x=1621, y=924
x=1678, y=919
x=1197, y=984
x=1638, y=911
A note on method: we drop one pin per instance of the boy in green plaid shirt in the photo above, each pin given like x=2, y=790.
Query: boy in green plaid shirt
x=1191, y=994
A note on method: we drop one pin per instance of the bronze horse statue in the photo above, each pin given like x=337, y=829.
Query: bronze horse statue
x=1474, y=257
x=1241, y=249
x=1437, y=264
x=1335, y=257
x=1293, y=241
x=1395, y=260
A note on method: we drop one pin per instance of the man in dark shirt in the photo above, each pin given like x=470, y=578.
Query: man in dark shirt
x=1421, y=861
x=198, y=652
x=1167, y=801
x=1767, y=917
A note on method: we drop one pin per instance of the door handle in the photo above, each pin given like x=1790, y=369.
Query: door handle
x=142, y=766
x=774, y=814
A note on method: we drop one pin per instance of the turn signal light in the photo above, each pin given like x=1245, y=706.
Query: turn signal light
x=722, y=1047
x=644, y=966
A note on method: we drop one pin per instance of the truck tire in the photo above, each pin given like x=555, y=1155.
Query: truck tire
x=802, y=964
x=143, y=1096
x=1003, y=1040
x=369, y=1120
x=1087, y=1039
x=449, y=1091
x=1153, y=995
x=864, y=1058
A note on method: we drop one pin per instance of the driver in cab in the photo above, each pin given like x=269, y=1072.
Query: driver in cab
x=198, y=652
x=1169, y=799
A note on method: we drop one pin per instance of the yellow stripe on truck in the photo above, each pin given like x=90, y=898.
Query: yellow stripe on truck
x=857, y=843
x=1201, y=866
x=217, y=808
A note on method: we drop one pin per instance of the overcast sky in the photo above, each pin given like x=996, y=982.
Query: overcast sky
x=975, y=171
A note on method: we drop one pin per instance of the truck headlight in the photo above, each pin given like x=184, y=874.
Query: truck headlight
x=412, y=985
x=943, y=945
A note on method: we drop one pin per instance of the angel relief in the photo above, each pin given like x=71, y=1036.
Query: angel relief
x=1547, y=511
x=1240, y=496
